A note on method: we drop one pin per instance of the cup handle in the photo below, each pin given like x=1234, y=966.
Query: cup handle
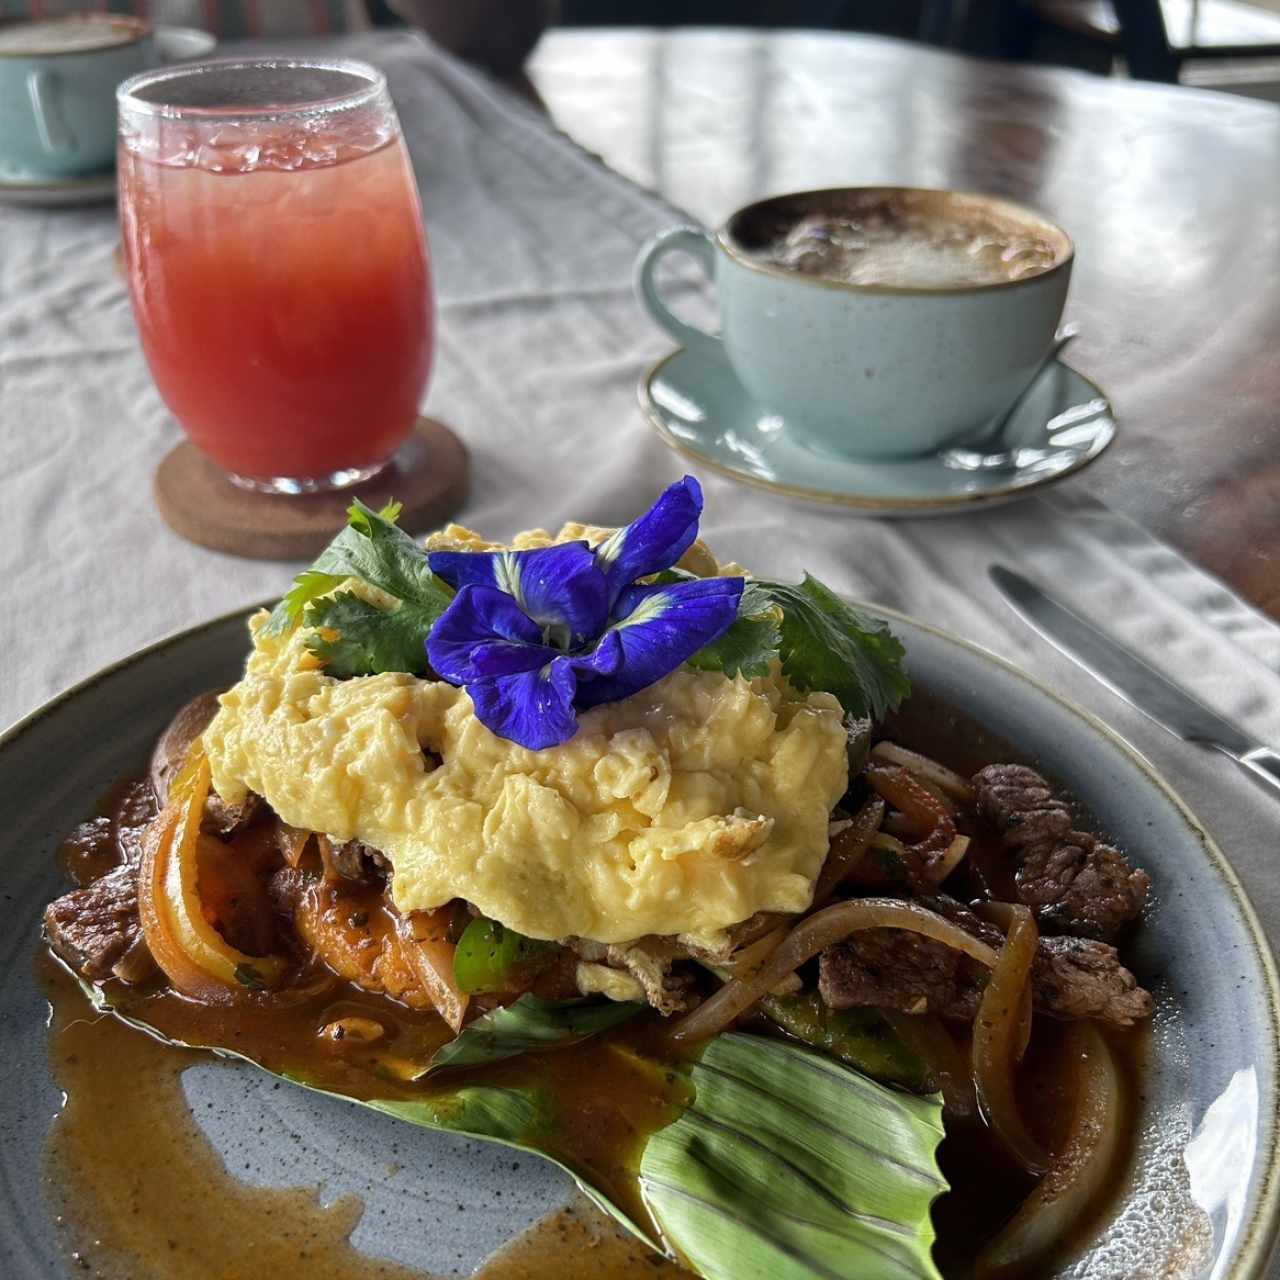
x=691, y=240
x=43, y=90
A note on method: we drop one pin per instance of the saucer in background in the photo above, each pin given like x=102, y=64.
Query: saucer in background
x=699, y=408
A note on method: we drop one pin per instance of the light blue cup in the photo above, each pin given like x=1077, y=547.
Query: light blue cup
x=871, y=371
x=58, y=83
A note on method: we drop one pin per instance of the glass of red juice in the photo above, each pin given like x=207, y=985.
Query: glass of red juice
x=277, y=265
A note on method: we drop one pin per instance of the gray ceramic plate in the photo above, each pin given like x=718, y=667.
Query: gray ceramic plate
x=1207, y=1163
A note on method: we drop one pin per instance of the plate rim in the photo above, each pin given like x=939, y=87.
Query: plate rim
x=1263, y=1229
x=955, y=503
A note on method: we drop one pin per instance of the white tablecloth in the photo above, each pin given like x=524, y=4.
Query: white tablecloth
x=541, y=345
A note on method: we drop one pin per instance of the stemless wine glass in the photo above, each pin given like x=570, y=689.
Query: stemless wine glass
x=277, y=265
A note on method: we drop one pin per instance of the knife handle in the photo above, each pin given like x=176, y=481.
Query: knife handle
x=1263, y=763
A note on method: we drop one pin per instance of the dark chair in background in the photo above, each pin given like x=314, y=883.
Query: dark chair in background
x=1158, y=38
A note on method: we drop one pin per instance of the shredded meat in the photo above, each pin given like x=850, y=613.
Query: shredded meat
x=894, y=969
x=96, y=929
x=358, y=942
x=651, y=961
x=1075, y=883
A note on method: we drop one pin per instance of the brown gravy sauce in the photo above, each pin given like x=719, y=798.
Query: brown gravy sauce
x=136, y=1189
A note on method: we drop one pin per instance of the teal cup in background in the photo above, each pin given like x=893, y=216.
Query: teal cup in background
x=868, y=370
x=58, y=83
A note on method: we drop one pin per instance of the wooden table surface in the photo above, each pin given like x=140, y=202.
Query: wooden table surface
x=1171, y=194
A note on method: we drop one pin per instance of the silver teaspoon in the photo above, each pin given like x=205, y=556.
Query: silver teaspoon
x=960, y=459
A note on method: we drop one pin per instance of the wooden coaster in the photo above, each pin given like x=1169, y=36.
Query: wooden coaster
x=430, y=475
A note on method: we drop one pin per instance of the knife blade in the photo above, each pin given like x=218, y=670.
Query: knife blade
x=1123, y=672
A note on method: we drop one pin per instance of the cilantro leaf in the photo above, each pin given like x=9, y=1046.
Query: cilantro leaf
x=307, y=586
x=827, y=644
x=821, y=641
x=751, y=642
x=369, y=640
x=358, y=638
x=372, y=549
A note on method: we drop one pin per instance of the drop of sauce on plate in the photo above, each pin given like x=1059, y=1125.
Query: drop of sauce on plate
x=136, y=1190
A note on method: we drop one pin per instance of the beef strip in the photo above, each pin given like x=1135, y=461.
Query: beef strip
x=1074, y=882
x=1082, y=978
x=894, y=969
x=96, y=929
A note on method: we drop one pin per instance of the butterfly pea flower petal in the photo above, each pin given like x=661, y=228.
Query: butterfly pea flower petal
x=534, y=708
x=536, y=636
x=653, y=542
x=482, y=634
x=662, y=627
x=561, y=588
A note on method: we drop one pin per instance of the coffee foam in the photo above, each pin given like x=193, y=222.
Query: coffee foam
x=897, y=246
x=67, y=35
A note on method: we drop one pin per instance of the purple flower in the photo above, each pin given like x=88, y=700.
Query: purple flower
x=536, y=636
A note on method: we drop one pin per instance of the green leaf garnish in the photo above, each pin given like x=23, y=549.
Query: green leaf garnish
x=751, y=643
x=491, y=957
x=784, y=1165
x=370, y=640
x=527, y=1025
x=827, y=644
x=791, y=1167
x=822, y=643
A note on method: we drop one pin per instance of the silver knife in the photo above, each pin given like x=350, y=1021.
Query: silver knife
x=1126, y=674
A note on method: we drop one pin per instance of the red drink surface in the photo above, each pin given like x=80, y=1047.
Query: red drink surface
x=285, y=308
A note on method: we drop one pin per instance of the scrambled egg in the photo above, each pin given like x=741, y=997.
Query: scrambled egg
x=680, y=810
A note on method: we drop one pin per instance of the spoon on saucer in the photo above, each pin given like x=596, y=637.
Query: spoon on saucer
x=1006, y=459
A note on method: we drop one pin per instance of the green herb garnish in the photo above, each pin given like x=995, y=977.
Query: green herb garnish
x=365, y=639
x=822, y=643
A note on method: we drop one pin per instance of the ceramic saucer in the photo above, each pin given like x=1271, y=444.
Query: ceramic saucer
x=701, y=410
x=92, y=189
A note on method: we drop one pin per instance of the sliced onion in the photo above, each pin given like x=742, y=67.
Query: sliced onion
x=431, y=955
x=328, y=866
x=848, y=849
x=943, y=865
x=928, y=1038
x=195, y=957
x=997, y=1034
x=1002, y=914
x=748, y=959
x=946, y=780
x=1079, y=1173
x=292, y=843
x=814, y=934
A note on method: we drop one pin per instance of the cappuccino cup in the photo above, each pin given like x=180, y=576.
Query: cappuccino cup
x=58, y=81
x=877, y=322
